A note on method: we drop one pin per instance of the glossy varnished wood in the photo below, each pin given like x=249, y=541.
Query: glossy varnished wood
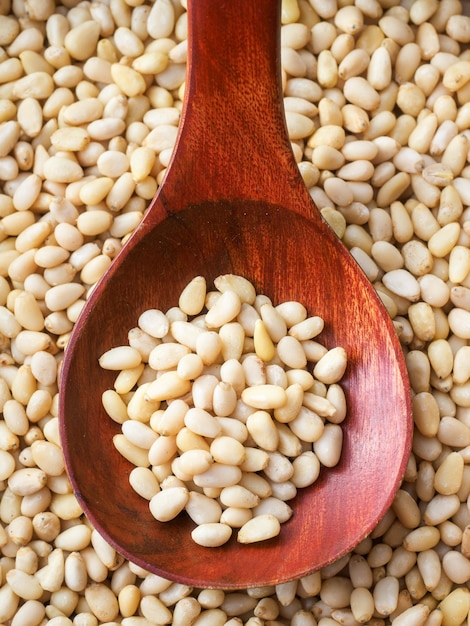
x=233, y=201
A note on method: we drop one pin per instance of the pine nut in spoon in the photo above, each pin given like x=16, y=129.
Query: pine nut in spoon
x=233, y=201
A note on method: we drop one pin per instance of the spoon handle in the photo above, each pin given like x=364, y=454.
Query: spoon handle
x=233, y=140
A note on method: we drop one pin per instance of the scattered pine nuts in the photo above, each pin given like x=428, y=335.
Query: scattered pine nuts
x=285, y=433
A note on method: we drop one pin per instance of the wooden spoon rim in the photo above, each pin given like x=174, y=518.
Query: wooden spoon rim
x=348, y=502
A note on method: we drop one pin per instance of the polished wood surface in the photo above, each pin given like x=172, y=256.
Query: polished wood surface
x=233, y=201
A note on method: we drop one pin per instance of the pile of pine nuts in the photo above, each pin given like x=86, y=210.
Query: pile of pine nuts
x=377, y=105
x=219, y=412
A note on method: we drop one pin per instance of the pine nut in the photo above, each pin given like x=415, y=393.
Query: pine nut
x=259, y=528
x=441, y=507
x=264, y=396
x=166, y=504
x=219, y=475
x=328, y=446
x=202, y=509
x=161, y=451
x=307, y=467
x=81, y=41
x=102, y=602
x=211, y=535
x=456, y=566
x=360, y=93
x=455, y=606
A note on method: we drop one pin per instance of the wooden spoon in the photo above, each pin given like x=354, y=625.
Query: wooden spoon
x=233, y=202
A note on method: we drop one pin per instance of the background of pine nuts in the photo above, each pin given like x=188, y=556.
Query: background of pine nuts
x=90, y=98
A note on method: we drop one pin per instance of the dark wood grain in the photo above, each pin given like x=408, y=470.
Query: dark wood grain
x=233, y=201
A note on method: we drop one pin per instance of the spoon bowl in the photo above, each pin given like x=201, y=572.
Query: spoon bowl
x=233, y=201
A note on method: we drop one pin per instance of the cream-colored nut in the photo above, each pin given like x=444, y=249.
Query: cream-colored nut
x=139, y=434
x=211, y=535
x=455, y=605
x=202, y=423
x=120, y=358
x=224, y=310
x=167, y=387
x=360, y=93
x=307, y=425
x=259, y=528
x=219, y=476
x=38, y=85
x=151, y=62
x=62, y=170
x=331, y=367
x=134, y=454
x=162, y=450
x=27, y=481
x=102, y=601
x=263, y=430
x=129, y=80
x=264, y=396
x=294, y=400
x=80, y=42
x=202, y=509
x=238, y=284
